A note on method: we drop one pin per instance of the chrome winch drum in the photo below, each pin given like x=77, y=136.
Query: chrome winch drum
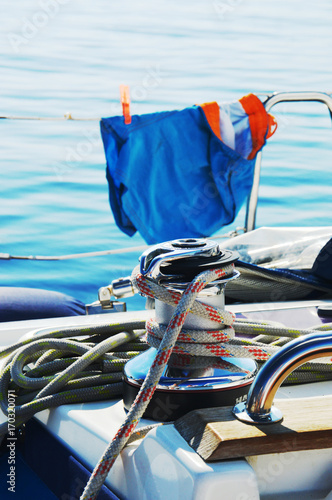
x=201, y=382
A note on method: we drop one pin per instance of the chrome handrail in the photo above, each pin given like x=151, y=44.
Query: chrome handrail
x=258, y=409
x=271, y=101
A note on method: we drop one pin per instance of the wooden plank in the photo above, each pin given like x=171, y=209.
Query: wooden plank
x=215, y=434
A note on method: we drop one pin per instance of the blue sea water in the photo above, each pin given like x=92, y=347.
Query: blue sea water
x=59, y=56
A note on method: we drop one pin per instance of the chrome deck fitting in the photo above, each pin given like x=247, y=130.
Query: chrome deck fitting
x=259, y=407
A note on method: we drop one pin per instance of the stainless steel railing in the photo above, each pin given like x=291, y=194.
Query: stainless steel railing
x=271, y=101
x=259, y=407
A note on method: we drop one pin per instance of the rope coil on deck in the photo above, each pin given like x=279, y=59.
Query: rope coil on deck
x=67, y=371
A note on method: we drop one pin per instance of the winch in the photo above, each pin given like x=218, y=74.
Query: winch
x=196, y=374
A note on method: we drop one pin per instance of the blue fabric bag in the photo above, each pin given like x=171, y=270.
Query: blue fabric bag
x=170, y=175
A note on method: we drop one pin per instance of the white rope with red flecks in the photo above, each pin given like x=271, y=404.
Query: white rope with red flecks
x=218, y=342
x=185, y=304
x=165, y=340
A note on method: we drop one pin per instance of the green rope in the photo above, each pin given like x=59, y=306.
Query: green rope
x=50, y=369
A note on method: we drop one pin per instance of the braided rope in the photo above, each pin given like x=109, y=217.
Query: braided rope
x=149, y=288
x=93, y=374
x=210, y=343
x=103, y=330
x=191, y=343
x=266, y=337
x=184, y=306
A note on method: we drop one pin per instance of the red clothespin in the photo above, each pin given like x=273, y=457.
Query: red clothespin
x=125, y=101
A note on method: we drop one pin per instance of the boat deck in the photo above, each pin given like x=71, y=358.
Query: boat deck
x=163, y=465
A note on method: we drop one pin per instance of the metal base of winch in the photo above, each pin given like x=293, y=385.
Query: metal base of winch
x=178, y=393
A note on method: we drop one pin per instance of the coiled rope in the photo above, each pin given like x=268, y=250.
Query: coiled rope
x=226, y=341
x=223, y=343
x=67, y=371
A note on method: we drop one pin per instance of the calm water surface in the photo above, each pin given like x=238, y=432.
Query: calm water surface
x=59, y=56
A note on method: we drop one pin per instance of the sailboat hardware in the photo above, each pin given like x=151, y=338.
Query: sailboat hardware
x=259, y=408
x=195, y=375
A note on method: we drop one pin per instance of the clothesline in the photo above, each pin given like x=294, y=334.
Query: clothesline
x=65, y=117
x=124, y=99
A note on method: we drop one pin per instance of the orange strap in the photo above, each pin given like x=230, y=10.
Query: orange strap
x=273, y=125
x=125, y=101
x=262, y=125
x=212, y=113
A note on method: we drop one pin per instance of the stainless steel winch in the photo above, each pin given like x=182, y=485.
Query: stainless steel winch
x=200, y=382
